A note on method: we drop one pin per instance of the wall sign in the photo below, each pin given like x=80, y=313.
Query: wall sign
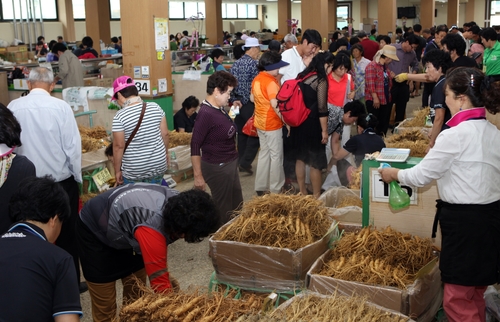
x=380, y=190
x=143, y=86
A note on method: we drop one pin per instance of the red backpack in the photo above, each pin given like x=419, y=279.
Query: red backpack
x=291, y=102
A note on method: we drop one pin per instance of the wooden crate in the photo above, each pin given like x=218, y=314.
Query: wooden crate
x=417, y=219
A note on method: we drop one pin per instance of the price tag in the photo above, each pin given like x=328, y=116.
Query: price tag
x=143, y=86
x=101, y=178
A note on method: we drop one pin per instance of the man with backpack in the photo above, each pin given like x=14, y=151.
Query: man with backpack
x=298, y=58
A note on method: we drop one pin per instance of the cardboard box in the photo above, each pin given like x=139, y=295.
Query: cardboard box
x=21, y=84
x=103, y=82
x=350, y=214
x=182, y=156
x=12, y=48
x=416, y=301
x=3, y=50
x=266, y=268
x=284, y=306
x=417, y=219
x=22, y=47
x=16, y=56
x=112, y=73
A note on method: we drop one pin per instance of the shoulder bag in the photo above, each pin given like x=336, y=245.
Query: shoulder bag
x=136, y=127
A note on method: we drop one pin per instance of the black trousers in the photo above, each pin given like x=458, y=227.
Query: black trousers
x=289, y=159
x=470, y=252
x=383, y=114
x=248, y=146
x=400, y=93
x=67, y=237
x=428, y=87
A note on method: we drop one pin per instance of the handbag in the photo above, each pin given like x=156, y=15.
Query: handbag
x=136, y=127
x=249, y=128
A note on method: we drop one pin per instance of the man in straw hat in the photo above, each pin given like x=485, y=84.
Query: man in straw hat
x=378, y=85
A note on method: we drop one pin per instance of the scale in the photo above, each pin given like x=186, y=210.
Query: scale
x=393, y=155
x=171, y=182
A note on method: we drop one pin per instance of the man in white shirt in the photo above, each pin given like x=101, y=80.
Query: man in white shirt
x=51, y=141
x=300, y=56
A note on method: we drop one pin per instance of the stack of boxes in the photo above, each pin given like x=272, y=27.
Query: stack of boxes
x=16, y=54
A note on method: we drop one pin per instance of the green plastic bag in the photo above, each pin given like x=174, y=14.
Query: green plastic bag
x=398, y=198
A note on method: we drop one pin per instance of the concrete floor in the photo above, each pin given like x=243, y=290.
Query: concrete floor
x=189, y=263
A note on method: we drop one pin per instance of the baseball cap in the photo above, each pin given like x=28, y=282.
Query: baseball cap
x=251, y=42
x=121, y=83
x=452, y=27
x=277, y=65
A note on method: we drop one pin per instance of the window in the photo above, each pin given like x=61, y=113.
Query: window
x=114, y=9
x=185, y=10
x=494, y=14
x=231, y=11
x=176, y=10
x=343, y=13
x=78, y=9
x=24, y=10
x=242, y=11
x=239, y=11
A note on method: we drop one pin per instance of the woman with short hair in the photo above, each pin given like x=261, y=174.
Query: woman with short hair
x=214, y=134
x=185, y=117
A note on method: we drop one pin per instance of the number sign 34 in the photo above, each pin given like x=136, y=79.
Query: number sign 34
x=143, y=87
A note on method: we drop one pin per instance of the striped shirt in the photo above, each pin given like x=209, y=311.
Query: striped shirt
x=146, y=156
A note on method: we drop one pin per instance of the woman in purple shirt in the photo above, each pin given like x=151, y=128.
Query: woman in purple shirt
x=213, y=149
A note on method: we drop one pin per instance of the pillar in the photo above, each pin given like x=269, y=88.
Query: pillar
x=139, y=50
x=97, y=17
x=284, y=14
x=332, y=15
x=315, y=16
x=427, y=10
x=65, y=12
x=453, y=6
x=363, y=10
x=387, y=14
x=469, y=11
x=213, y=21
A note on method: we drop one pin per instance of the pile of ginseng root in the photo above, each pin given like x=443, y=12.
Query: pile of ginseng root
x=386, y=258
x=349, y=200
x=189, y=306
x=179, y=138
x=419, y=118
x=93, y=138
x=279, y=220
x=415, y=140
x=314, y=307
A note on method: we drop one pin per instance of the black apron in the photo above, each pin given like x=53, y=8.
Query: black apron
x=470, y=243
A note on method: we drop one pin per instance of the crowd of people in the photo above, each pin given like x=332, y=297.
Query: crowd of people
x=124, y=233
